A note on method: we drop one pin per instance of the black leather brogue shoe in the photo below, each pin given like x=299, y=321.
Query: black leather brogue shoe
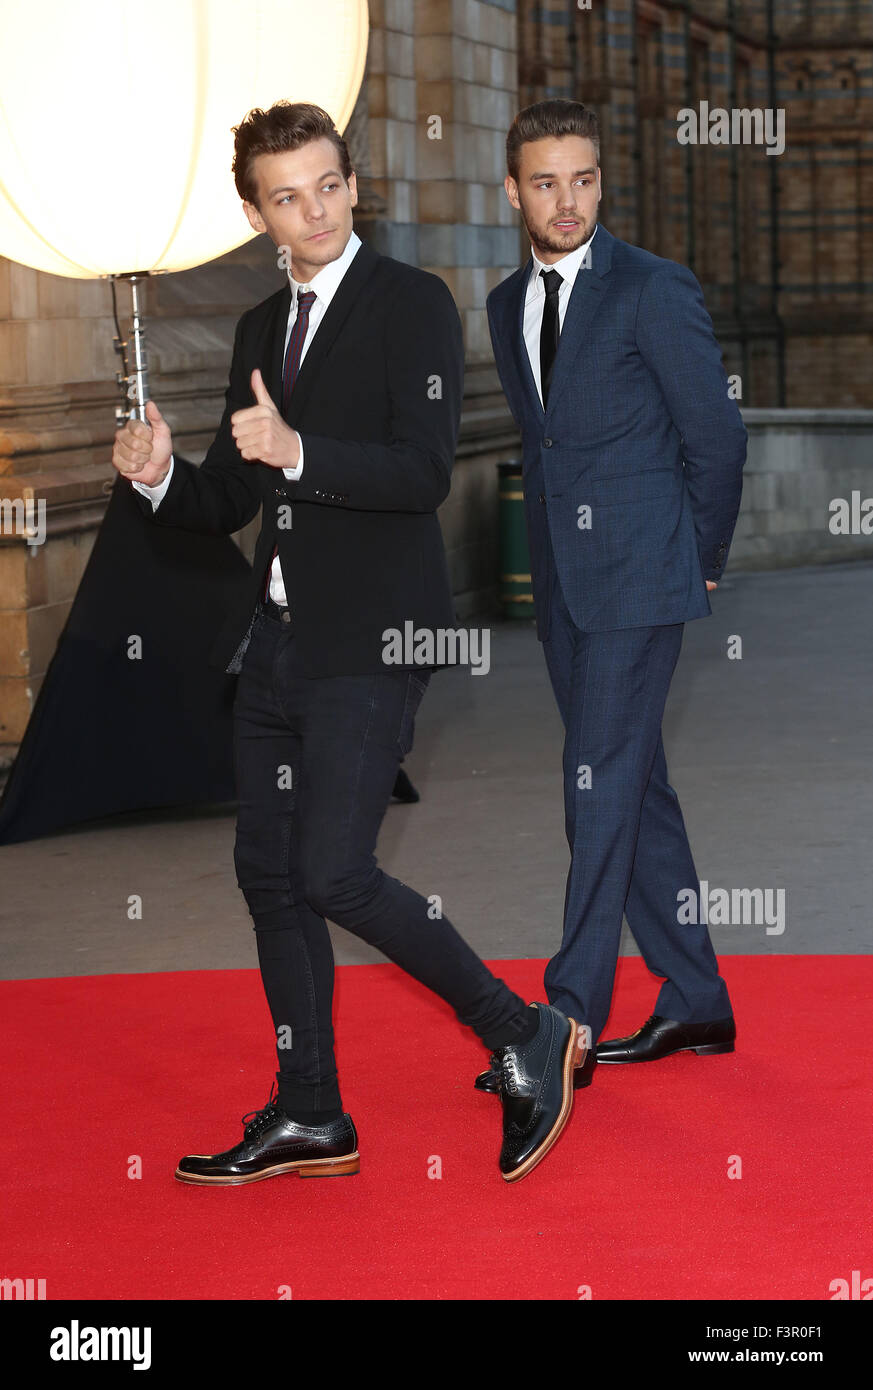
x=583, y=1073
x=661, y=1037
x=273, y=1143
x=536, y=1090
x=404, y=791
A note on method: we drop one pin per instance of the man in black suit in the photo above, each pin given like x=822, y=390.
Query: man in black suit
x=356, y=367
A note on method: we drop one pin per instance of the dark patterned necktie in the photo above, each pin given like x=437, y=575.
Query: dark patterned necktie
x=550, y=330
x=293, y=353
x=296, y=339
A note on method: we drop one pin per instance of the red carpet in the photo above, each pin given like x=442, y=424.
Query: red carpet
x=634, y=1201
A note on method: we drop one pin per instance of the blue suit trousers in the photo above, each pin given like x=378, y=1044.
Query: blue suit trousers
x=629, y=849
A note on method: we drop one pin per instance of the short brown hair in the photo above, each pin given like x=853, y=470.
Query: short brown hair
x=558, y=116
x=286, y=126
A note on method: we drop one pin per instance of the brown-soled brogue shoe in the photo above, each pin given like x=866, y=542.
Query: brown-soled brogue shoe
x=661, y=1037
x=536, y=1091
x=273, y=1143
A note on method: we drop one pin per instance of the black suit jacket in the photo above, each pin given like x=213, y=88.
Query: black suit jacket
x=377, y=403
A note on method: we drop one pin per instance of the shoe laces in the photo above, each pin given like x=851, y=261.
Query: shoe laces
x=505, y=1063
x=256, y=1121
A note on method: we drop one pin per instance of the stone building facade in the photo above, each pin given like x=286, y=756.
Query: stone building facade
x=782, y=244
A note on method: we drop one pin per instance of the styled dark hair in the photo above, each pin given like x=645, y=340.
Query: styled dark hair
x=286, y=126
x=557, y=116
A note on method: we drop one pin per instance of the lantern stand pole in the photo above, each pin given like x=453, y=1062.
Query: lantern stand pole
x=140, y=376
x=133, y=379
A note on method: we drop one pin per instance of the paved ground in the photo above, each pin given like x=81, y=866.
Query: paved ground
x=771, y=757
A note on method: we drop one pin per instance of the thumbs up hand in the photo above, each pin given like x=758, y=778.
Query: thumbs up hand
x=261, y=434
x=143, y=448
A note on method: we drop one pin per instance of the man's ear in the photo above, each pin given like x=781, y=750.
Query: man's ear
x=254, y=217
x=352, y=182
x=512, y=191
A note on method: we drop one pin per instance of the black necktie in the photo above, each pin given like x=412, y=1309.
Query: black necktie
x=296, y=339
x=550, y=330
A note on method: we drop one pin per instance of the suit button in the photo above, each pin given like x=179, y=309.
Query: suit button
x=542, y=497
x=286, y=616
x=547, y=443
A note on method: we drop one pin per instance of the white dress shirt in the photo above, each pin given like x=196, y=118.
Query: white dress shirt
x=535, y=300
x=325, y=283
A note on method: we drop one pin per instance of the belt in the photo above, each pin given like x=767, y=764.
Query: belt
x=280, y=613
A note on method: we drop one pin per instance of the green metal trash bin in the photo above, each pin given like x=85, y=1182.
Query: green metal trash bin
x=516, y=598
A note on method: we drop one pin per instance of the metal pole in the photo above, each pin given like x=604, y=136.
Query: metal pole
x=138, y=381
x=133, y=379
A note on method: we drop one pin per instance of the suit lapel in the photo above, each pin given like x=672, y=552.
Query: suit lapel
x=272, y=372
x=586, y=298
x=361, y=268
x=522, y=361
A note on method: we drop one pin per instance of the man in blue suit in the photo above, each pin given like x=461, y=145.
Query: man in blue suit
x=632, y=460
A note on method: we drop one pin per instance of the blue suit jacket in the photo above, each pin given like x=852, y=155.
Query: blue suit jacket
x=639, y=428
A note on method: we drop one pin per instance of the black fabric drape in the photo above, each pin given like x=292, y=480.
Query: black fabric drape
x=108, y=733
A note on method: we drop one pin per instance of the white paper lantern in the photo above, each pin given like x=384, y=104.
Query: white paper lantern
x=116, y=116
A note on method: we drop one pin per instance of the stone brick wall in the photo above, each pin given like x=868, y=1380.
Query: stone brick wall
x=799, y=462
x=783, y=245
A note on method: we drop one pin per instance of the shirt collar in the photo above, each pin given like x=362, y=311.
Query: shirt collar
x=326, y=281
x=567, y=267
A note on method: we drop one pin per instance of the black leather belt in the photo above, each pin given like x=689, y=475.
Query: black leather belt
x=278, y=612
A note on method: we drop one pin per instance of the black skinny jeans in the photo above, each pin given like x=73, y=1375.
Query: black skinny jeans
x=316, y=761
